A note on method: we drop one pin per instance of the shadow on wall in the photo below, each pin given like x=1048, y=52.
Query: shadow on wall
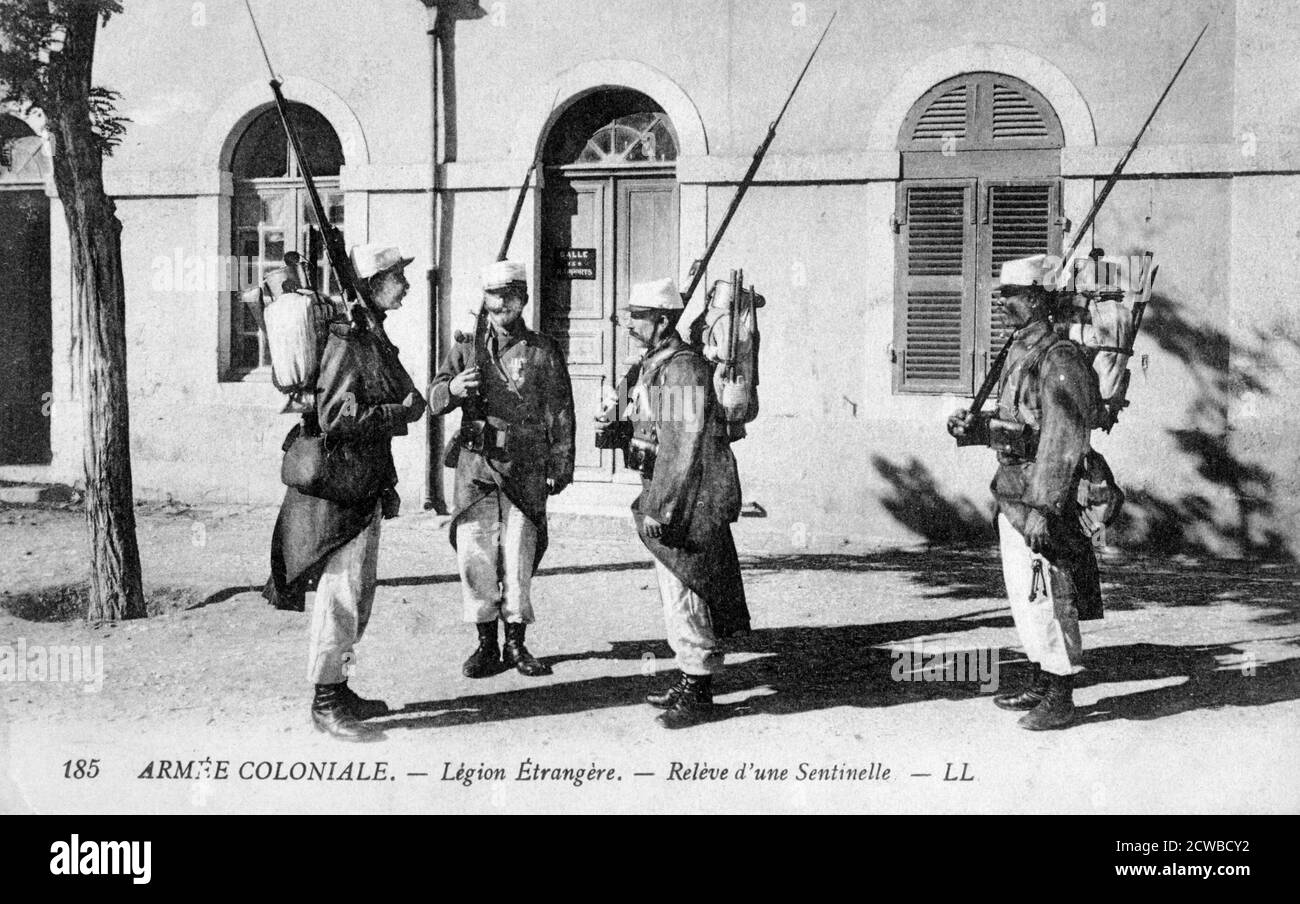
x=1232, y=515
x=918, y=504
x=1243, y=521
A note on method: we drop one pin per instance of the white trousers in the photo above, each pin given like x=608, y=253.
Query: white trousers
x=495, y=547
x=688, y=624
x=344, y=595
x=1048, y=624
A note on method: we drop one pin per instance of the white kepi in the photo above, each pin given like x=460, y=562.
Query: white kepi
x=656, y=295
x=1027, y=271
x=494, y=277
x=371, y=259
x=500, y=274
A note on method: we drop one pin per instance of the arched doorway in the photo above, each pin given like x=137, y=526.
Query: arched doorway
x=26, y=363
x=609, y=219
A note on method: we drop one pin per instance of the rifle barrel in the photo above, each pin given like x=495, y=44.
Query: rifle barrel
x=504, y=251
x=260, y=42
x=804, y=71
x=335, y=249
x=991, y=378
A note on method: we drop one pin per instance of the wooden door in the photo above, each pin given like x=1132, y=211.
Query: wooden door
x=574, y=308
x=26, y=374
x=627, y=225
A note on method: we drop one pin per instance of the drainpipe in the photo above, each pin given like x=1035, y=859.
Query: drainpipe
x=433, y=493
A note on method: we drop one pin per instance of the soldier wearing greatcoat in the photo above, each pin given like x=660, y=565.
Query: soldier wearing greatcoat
x=514, y=448
x=690, y=496
x=1047, y=406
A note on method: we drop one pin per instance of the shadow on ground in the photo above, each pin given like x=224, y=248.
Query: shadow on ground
x=71, y=601
x=799, y=670
x=964, y=572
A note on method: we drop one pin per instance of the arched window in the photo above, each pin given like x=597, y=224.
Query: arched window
x=21, y=151
x=599, y=131
x=272, y=213
x=981, y=185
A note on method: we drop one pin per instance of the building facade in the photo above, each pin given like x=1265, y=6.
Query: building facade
x=928, y=142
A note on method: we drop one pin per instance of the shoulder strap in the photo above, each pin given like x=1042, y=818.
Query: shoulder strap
x=658, y=368
x=1034, y=362
x=1030, y=365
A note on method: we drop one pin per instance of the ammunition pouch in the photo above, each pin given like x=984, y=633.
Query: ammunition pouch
x=639, y=455
x=978, y=432
x=613, y=434
x=478, y=436
x=1013, y=439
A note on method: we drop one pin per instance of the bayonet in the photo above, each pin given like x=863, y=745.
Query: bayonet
x=700, y=266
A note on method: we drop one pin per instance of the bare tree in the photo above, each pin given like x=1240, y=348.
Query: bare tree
x=47, y=52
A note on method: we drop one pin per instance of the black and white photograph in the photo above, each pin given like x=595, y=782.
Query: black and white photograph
x=687, y=407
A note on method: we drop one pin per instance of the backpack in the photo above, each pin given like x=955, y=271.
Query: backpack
x=297, y=322
x=1108, y=322
x=729, y=339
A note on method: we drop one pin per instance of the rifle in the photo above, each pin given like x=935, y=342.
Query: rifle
x=332, y=238
x=1123, y=161
x=523, y=193
x=995, y=371
x=701, y=265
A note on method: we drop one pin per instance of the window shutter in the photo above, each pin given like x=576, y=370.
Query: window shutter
x=980, y=167
x=946, y=115
x=1015, y=117
x=933, y=324
x=1023, y=218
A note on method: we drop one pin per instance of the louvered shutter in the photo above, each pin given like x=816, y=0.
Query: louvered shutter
x=1014, y=115
x=981, y=167
x=1019, y=219
x=946, y=115
x=933, y=328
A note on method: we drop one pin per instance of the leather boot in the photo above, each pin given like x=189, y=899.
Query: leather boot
x=515, y=654
x=360, y=706
x=485, y=661
x=1057, y=707
x=693, y=705
x=331, y=714
x=1028, y=698
x=670, y=694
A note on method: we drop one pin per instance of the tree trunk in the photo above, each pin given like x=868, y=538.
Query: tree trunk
x=100, y=327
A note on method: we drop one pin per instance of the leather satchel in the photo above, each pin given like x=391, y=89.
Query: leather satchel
x=332, y=469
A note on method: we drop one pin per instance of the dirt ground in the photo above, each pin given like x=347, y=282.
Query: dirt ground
x=1189, y=703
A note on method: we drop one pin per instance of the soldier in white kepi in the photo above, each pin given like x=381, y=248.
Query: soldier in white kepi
x=327, y=535
x=690, y=496
x=514, y=448
x=1047, y=406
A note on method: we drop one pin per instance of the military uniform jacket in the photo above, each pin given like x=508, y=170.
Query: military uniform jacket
x=694, y=490
x=1049, y=385
x=524, y=394
x=359, y=395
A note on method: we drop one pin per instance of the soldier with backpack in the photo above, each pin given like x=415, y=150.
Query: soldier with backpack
x=690, y=496
x=1047, y=406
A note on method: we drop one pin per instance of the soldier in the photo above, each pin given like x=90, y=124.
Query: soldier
x=1047, y=403
x=514, y=448
x=364, y=397
x=690, y=495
